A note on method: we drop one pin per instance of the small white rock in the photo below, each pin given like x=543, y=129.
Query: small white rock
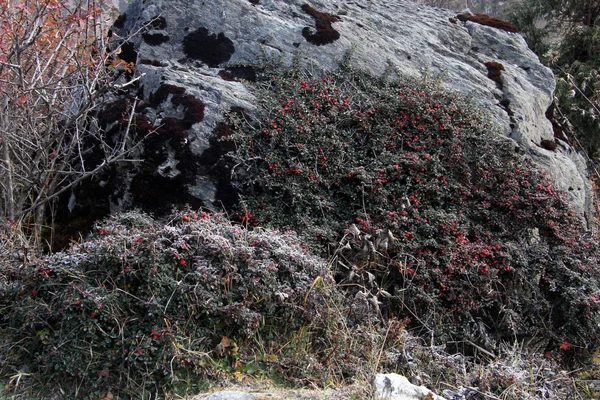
x=397, y=387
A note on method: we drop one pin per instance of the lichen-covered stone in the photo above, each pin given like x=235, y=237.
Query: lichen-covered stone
x=211, y=42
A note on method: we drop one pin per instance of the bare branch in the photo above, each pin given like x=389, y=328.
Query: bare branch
x=53, y=80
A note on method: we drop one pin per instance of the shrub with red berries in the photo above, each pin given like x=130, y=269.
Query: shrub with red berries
x=142, y=305
x=475, y=232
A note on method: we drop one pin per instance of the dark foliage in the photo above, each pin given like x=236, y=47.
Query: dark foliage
x=143, y=306
x=478, y=232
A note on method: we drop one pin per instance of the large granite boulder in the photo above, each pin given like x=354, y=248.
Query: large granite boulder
x=194, y=57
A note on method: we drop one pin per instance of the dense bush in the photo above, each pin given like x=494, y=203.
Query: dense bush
x=143, y=307
x=515, y=373
x=436, y=214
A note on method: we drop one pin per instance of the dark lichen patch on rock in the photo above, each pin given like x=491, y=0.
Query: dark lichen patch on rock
x=154, y=63
x=210, y=49
x=549, y=144
x=486, y=20
x=238, y=73
x=495, y=72
x=222, y=130
x=158, y=194
x=155, y=39
x=113, y=112
x=218, y=166
x=556, y=127
x=169, y=167
x=240, y=111
x=216, y=162
x=172, y=128
x=219, y=145
x=193, y=107
x=120, y=22
x=163, y=92
x=325, y=33
x=142, y=124
x=158, y=22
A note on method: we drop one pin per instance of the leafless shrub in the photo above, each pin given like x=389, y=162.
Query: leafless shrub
x=56, y=71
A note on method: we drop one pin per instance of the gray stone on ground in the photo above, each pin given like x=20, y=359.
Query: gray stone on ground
x=397, y=387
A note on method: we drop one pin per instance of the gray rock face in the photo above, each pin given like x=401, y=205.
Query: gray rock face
x=202, y=45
